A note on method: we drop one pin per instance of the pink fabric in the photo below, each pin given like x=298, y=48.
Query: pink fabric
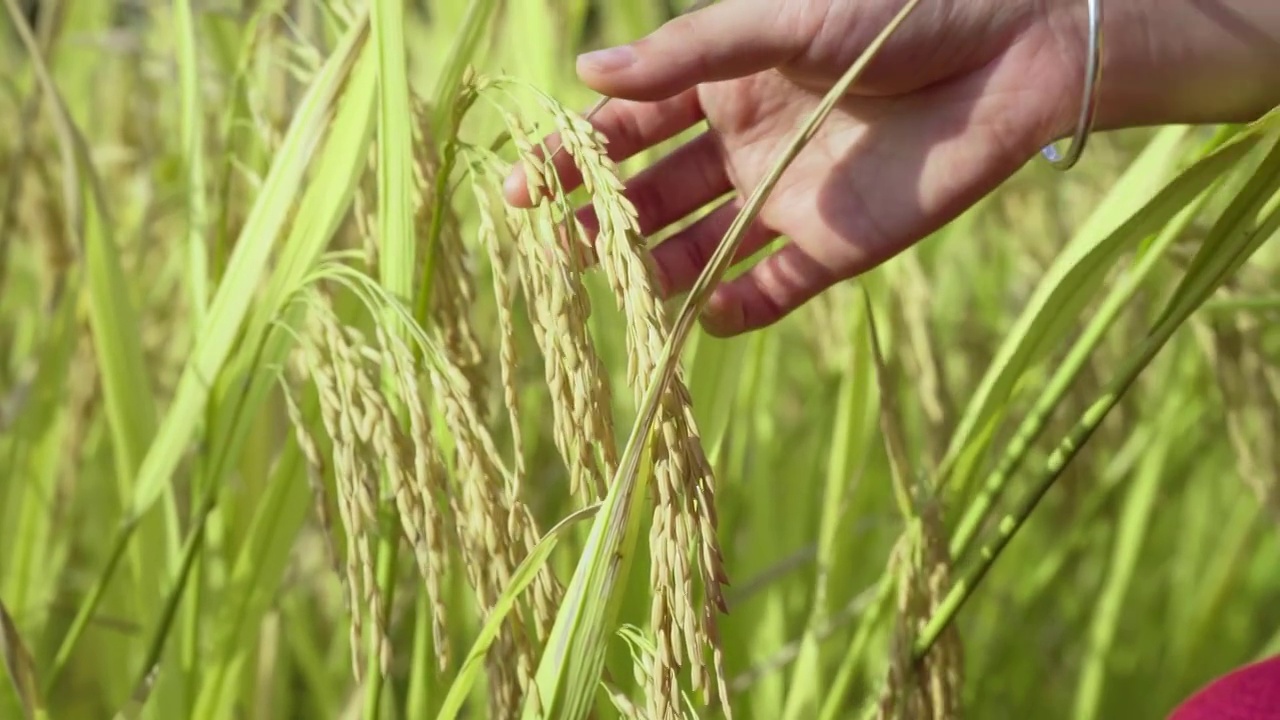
x=1249, y=693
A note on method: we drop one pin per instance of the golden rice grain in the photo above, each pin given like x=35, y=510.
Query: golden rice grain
x=931, y=687
x=559, y=308
x=684, y=517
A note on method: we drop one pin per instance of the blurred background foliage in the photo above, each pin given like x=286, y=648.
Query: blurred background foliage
x=1147, y=569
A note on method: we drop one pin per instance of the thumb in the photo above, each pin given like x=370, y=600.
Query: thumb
x=728, y=39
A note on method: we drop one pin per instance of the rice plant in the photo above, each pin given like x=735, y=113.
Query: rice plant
x=298, y=418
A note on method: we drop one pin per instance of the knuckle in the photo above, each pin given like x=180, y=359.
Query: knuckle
x=646, y=197
x=799, y=22
x=688, y=35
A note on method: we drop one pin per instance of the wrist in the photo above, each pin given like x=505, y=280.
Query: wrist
x=1171, y=61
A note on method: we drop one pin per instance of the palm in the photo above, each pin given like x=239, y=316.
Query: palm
x=894, y=162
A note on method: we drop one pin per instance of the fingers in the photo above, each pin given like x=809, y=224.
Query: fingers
x=682, y=257
x=628, y=127
x=768, y=292
x=674, y=187
x=729, y=39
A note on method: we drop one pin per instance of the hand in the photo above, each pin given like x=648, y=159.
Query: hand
x=958, y=100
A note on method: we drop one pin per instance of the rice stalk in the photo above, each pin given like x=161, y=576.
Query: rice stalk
x=684, y=521
x=20, y=667
x=928, y=686
x=559, y=309
x=495, y=530
x=1251, y=218
x=613, y=532
x=1166, y=215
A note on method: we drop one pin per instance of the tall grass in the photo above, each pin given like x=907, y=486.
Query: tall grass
x=298, y=419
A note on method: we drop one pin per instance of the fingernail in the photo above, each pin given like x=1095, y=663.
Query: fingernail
x=718, y=318
x=608, y=60
x=515, y=180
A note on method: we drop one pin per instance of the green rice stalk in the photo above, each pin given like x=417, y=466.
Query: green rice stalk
x=230, y=305
x=114, y=324
x=523, y=577
x=20, y=667
x=1134, y=526
x=1246, y=238
x=570, y=668
x=192, y=113
x=1166, y=215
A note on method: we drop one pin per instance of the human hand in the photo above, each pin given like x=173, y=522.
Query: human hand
x=956, y=102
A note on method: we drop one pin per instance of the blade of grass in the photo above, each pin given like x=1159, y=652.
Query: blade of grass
x=1134, y=525
x=1062, y=293
x=1166, y=215
x=231, y=303
x=21, y=669
x=1247, y=238
x=396, y=260
x=524, y=575
x=569, y=670
x=1178, y=195
x=192, y=114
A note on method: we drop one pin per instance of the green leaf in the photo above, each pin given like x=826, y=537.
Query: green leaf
x=569, y=671
x=21, y=669
x=523, y=576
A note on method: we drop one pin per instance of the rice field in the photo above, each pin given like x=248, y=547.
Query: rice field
x=299, y=419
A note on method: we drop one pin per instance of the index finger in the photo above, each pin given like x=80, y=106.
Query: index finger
x=629, y=127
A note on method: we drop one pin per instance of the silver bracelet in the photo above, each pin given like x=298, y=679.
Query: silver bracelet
x=1089, y=103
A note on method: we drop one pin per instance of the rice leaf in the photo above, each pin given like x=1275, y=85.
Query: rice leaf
x=247, y=266
x=1246, y=229
x=21, y=668
x=569, y=670
x=188, y=51
x=524, y=576
x=1224, y=251
x=395, y=152
x=226, y=314
x=1077, y=273
x=397, y=243
x=1055, y=390
x=1066, y=287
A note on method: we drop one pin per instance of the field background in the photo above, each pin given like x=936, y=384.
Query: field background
x=1148, y=568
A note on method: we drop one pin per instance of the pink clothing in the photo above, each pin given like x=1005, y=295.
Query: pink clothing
x=1248, y=693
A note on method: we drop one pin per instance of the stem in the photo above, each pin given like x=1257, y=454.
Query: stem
x=190, y=551
x=388, y=555
x=90, y=606
x=1066, y=451
x=844, y=674
x=439, y=207
x=1060, y=384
